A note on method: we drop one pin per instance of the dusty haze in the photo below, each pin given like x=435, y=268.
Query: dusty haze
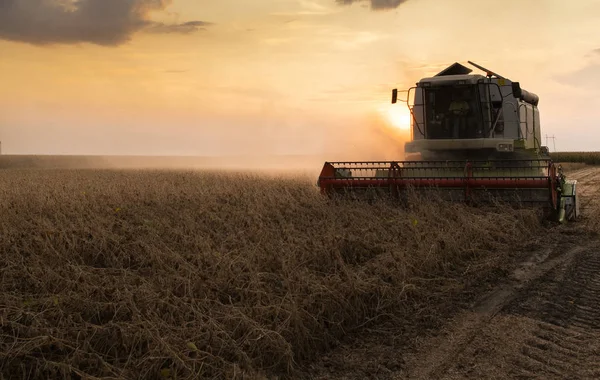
x=375, y=140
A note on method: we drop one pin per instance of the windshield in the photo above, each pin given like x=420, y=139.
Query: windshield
x=452, y=112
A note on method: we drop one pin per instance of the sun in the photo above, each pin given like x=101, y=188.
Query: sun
x=399, y=116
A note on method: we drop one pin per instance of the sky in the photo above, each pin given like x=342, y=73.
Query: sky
x=302, y=77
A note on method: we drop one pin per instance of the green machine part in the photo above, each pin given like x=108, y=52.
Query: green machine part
x=569, y=202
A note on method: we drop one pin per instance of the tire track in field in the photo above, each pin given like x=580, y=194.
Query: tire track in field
x=565, y=343
x=549, y=329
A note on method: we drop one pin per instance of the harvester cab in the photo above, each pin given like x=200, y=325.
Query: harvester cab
x=474, y=137
x=459, y=115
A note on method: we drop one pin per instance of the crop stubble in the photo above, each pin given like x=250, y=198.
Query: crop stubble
x=156, y=274
x=545, y=322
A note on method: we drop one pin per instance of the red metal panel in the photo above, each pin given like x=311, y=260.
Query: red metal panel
x=498, y=183
x=404, y=174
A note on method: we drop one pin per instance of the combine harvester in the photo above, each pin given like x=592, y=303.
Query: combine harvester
x=474, y=139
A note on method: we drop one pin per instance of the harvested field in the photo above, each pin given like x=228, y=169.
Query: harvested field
x=186, y=275
x=541, y=322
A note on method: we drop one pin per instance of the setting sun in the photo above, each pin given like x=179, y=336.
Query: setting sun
x=399, y=116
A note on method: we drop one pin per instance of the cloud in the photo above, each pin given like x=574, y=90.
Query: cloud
x=307, y=8
x=184, y=28
x=376, y=4
x=585, y=78
x=101, y=22
x=175, y=71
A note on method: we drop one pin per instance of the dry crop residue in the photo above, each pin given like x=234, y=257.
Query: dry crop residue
x=546, y=323
x=156, y=274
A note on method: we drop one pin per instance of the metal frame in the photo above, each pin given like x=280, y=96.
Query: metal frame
x=533, y=125
x=498, y=175
x=487, y=134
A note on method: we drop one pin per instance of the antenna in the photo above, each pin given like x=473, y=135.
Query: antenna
x=553, y=138
x=490, y=73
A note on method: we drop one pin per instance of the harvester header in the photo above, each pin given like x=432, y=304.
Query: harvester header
x=473, y=136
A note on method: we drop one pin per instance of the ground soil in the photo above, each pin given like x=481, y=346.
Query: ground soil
x=541, y=321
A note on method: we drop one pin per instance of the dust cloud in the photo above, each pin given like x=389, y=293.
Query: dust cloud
x=375, y=139
x=370, y=138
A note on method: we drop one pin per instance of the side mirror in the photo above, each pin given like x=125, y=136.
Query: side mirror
x=394, y=96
